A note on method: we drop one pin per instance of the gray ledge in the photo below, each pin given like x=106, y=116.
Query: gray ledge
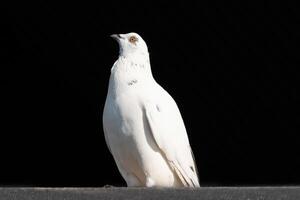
x=204, y=193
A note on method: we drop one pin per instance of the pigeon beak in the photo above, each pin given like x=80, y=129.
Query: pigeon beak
x=116, y=36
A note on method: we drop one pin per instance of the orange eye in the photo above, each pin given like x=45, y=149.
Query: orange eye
x=133, y=39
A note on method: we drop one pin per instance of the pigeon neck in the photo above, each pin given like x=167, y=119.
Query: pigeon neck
x=128, y=68
x=139, y=55
x=133, y=63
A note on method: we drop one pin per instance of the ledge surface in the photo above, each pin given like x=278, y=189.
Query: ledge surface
x=204, y=193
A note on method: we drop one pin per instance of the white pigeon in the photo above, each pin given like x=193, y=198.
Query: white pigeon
x=142, y=124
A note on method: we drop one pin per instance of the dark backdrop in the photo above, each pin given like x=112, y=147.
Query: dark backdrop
x=230, y=67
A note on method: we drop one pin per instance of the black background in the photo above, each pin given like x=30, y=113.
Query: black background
x=230, y=67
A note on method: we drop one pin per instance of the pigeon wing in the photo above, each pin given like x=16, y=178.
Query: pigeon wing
x=169, y=133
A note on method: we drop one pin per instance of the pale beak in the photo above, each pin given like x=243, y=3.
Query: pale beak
x=116, y=36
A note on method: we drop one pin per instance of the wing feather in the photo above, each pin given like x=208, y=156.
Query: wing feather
x=168, y=131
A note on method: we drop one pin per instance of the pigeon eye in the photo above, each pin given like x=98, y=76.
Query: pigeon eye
x=133, y=39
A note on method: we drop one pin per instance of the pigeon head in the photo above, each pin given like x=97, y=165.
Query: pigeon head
x=131, y=44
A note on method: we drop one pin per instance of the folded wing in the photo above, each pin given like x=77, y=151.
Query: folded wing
x=169, y=133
